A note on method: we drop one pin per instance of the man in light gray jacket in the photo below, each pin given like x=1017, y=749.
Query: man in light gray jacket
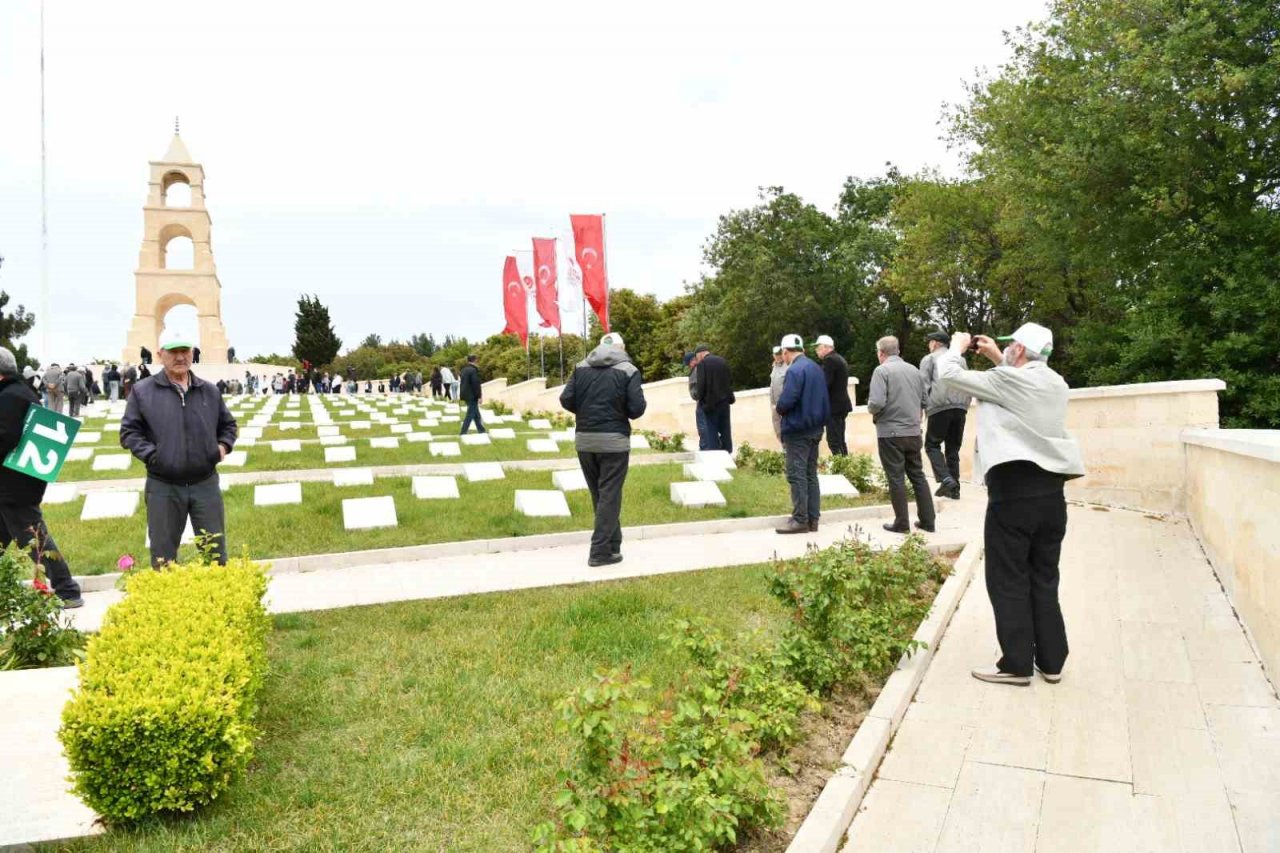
x=77, y=389
x=55, y=388
x=895, y=402
x=946, y=410
x=777, y=378
x=1025, y=457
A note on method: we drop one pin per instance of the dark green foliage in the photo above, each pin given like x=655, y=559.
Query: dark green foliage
x=772, y=462
x=314, y=339
x=858, y=468
x=14, y=325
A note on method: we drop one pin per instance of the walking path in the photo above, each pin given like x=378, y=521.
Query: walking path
x=1164, y=734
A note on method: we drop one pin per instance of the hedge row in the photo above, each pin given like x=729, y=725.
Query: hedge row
x=163, y=719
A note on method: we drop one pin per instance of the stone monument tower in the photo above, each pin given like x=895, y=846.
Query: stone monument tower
x=159, y=288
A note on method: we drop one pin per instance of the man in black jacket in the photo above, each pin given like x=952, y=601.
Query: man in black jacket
x=20, y=495
x=179, y=427
x=605, y=396
x=471, y=392
x=714, y=388
x=836, y=371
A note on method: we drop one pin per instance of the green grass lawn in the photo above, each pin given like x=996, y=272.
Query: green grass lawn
x=485, y=510
x=430, y=725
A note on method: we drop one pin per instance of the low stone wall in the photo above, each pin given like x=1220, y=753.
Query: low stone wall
x=1233, y=489
x=1131, y=435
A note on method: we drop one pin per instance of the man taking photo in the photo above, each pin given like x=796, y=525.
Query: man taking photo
x=946, y=410
x=1025, y=457
x=179, y=427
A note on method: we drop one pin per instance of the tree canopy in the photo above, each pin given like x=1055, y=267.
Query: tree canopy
x=314, y=338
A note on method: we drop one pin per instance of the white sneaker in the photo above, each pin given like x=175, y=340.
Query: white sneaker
x=1051, y=677
x=995, y=676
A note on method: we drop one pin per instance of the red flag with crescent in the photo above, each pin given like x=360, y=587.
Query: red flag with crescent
x=515, y=302
x=544, y=278
x=588, y=244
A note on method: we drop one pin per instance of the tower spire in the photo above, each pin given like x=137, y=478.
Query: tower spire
x=175, y=125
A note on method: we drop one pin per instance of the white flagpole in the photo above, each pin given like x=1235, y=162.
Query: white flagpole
x=604, y=240
x=46, y=318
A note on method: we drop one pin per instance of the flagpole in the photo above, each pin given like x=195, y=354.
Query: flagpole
x=46, y=319
x=604, y=241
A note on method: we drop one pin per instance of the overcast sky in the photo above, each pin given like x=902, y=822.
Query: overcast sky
x=388, y=155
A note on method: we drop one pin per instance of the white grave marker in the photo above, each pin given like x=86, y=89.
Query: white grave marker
x=401, y=429
x=707, y=473
x=475, y=472
x=696, y=494
x=476, y=438
x=416, y=437
x=277, y=493
x=235, y=459
x=112, y=462
x=639, y=442
x=429, y=488
x=569, y=481
x=360, y=425
x=339, y=454
x=539, y=423
x=109, y=505
x=353, y=477
x=79, y=454
x=502, y=433
x=287, y=445
x=385, y=443
x=444, y=448
x=61, y=493
x=542, y=445
x=836, y=485
x=539, y=503
x=721, y=458
x=88, y=437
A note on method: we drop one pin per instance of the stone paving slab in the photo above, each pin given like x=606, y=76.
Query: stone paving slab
x=1164, y=734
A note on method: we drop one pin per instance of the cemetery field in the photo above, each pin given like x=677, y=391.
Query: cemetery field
x=484, y=510
x=431, y=725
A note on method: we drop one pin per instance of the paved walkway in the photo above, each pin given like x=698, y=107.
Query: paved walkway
x=40, y=808
x=1164, y=734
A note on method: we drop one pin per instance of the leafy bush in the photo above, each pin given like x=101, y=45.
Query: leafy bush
x=770, y=462
x=498, y=407
x=163, y=719
x=859, y=469
x=664, y=442
x=853, y=609
x=559, y=420
x=34, y=630
x=679, y=771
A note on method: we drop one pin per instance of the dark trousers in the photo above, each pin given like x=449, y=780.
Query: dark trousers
x=900, y=457
x=719, y=429
x=73, y=404
x=605, y=473
x=473, y=414
x=835, y=435
x=23, y=522
x=168, y=507
x=802, y=475
x=945, y=428
x=704, y=430
x=1023, y=544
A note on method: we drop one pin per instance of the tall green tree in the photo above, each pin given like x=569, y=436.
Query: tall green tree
x=372, y=340
x=14, y=325
x=424, y=344
x=1141, y=142
x=313, y=336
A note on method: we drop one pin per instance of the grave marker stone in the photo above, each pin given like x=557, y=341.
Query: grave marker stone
x=272, y=494
x=539, y=503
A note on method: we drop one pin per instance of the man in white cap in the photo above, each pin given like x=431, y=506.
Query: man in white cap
x=179, y=427
x=776, y=378
x=805, y=408
x=604, y=394
x=1025, y=456
x=836, y=371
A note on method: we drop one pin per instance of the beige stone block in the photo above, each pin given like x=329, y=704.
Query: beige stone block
x=1222, y=683
x=1154, y=652
x=899, y=817
x=1089, y=735
x=927, y=752
x=1256, y=821
x=1171, y=761
x=1085, y=814
x=1016, y=731
x=993, y=810
x=1164, y=705
x=1248, y=741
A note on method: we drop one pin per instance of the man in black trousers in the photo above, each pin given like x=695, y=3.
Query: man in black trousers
x=471, y=391
x=714, y=387
x=604, y=395
x=946, y=410
x=836, y=372
x=1025, y=457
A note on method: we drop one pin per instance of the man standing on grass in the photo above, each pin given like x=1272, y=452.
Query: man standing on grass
x=1025, y=457
x=472, y=393
x=21, y=520
x=895, y=402
x=836, y=372
x=777, y=377
x=715, y=396
x=179, y=427
x=699, y=416
x=805, y=409
x=946, y=410
x=604, y=394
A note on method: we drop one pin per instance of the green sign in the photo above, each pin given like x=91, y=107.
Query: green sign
x=46, y=438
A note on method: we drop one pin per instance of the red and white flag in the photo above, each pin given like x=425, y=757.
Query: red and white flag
x=544, y=279
x=588, y=242
x=515, y=302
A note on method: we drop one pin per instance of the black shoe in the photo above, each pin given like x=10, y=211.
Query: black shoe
x=610, y=560
x=792, y=526
x=954, y=494
x=927, y=528
x=944, y=490
x=893, y=528
x=813, y=526
x=72, y=603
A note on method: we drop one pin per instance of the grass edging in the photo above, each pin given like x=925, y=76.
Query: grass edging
x=824, y=828
x=471, y=547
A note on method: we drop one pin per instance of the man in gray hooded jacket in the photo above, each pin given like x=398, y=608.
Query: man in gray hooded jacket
x=605, y=396
x=946, y=408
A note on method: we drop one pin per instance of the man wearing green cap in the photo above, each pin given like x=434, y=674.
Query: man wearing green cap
x=179, y=427
x=1025, y=457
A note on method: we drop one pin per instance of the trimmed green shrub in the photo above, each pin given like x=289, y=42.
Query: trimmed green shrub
x=164, y=717
x=770, y=462
x=859, y=469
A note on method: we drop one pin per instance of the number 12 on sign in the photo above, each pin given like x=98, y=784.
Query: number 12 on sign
x=42, y=449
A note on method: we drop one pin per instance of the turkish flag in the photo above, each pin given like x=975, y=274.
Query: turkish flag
x=544, y=279
x=515, y=302
x=588, y=244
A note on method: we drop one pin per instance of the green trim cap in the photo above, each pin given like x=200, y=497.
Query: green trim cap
x=173, y=339
x=1034, y=337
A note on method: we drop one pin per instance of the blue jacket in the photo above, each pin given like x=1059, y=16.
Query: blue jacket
x=804, y=405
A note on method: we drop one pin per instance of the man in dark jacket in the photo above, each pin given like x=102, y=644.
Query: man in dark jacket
x=836, y=372
x=179, y=427
x=714, y=387
x=605, y=396
x=805, y=408
x=471, y=392
x=20, y=495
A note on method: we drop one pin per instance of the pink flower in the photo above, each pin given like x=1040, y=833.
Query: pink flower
x=125, y=563
x=41, y=586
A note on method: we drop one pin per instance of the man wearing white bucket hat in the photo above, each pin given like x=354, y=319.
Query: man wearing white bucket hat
x=1025, y=456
